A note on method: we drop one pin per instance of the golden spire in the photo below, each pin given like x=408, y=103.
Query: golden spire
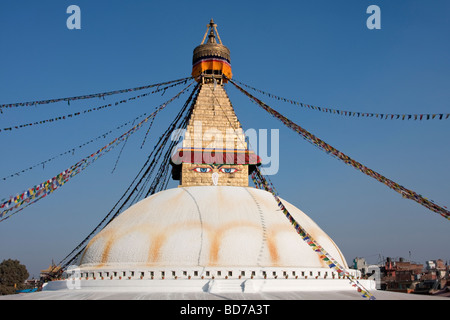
x=212, y=38
x=214, y=149
x=212, y=57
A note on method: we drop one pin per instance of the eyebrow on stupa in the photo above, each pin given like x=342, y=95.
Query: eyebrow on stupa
x=218, y=166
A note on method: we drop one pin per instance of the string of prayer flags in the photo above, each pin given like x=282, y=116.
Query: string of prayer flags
x=68, y=116
x=139, y=183
x=406, y=193
x=72, y=150
x=390, y=116
x=261, y=183
x=15, y=204
x=89, y=96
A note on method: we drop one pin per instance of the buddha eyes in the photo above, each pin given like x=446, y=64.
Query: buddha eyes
x=202, y=170
x=223, y=170
x=228, y=170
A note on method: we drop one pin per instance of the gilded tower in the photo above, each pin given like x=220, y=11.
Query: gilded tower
x=214, y=150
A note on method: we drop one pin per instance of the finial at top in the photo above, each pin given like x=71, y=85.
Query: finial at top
x=212, y=27
x=212, y=57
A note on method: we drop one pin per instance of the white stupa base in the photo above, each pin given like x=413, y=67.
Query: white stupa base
x=208, y=285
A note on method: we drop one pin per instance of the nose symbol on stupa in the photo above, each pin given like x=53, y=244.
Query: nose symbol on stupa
x=215, y=178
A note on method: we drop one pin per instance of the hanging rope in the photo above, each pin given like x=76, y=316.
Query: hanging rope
x=135, y=186
x=406, y=193
x=261, y=183
x=159, y=160
x=72, y=150
x=9, y=207
x=72, y=115
x=89, y=96
x=146, y=134
x=162, y=176
x=120, y=153
x=426, y=116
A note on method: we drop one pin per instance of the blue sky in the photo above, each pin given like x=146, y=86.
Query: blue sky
x=319, y=53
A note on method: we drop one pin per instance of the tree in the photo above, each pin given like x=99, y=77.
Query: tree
x=12, y=276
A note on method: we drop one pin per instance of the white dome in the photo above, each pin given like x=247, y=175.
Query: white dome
x=207, y=226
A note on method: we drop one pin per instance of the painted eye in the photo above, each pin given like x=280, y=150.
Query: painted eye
x=228, y=170
x=202, y=170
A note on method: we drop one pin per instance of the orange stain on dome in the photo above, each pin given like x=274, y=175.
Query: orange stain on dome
x=216, y=238
x=155, y=247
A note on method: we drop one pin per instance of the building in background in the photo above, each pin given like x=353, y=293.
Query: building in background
x=408, y=277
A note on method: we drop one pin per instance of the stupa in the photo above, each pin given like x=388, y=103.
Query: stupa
x=213, y=233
